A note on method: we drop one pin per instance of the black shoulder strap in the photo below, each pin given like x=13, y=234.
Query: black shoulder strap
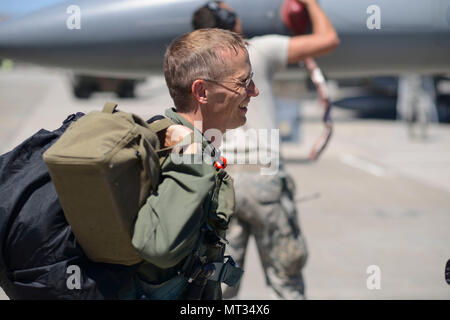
x=155, y=118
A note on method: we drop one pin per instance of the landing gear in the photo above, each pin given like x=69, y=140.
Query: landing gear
x=85, y=86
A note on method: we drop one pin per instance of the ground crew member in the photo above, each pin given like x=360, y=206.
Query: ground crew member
x=180, y=231
x=265, y=205
x=416, y=102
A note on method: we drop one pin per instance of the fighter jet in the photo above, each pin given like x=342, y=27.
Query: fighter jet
x=129, y=37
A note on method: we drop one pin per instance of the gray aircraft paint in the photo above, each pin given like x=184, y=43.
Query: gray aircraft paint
x=129, y=38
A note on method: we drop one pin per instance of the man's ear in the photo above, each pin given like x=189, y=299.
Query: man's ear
x=199, y=91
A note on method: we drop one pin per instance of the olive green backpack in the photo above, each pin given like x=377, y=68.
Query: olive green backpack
x=104, y=167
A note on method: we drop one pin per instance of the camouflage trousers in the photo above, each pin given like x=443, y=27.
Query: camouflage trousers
x=265, y=208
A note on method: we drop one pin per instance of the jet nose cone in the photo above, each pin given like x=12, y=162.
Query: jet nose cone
x=87, y=40
x=105, y=36
x=25, y=38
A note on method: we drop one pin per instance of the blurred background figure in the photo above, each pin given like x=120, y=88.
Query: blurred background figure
x=416, y=103
x=265, y=204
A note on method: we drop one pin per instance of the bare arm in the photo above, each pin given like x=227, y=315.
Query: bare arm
x=323, y=39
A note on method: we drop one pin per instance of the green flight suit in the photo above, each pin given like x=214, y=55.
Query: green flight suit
x=167, y=228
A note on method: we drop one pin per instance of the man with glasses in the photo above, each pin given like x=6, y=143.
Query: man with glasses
x=180, y=231
x=265, y=204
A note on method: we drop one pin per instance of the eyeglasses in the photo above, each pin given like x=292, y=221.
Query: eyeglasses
x=245, y=84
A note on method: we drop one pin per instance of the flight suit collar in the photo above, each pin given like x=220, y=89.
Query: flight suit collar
x=178, y=118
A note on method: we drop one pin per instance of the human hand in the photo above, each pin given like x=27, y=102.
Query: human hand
x=174, y=134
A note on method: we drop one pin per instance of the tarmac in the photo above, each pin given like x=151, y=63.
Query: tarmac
x=376, y=197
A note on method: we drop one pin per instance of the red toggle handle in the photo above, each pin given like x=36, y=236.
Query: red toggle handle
x=222, y=164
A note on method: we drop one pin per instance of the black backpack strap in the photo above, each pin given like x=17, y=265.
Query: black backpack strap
x=160, y=124
x=155, y=118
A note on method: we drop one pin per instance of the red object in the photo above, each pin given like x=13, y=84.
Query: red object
x=222, y=164
x=295, y=16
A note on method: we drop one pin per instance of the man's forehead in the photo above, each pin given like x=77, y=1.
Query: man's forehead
x=238, y=59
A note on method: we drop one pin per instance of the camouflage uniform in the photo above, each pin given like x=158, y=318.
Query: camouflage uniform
x=264, y=202
x=265, y=208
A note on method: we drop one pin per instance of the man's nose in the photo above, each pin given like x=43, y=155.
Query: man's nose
x=252, y=90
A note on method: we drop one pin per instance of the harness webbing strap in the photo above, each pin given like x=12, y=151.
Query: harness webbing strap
x=227, y=273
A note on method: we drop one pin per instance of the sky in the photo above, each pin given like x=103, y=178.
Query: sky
x=20, y=7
